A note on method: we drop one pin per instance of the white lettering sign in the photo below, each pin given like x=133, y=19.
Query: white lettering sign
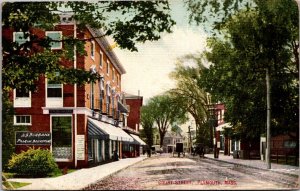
x=80, y=142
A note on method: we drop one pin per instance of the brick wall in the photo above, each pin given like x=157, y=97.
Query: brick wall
x=135, y=112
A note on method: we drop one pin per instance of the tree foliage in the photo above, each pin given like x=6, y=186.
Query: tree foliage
x=147, y=122
x=165, y=111
x=128, y=22
x=252, y=40
x=8, y=132
x=190, y=96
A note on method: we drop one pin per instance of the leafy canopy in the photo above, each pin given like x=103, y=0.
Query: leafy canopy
x=253, y=40
x=128, y=22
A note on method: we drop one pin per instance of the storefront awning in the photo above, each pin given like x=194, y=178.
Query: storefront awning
x=111, y=132
x=122, y=108
x=138, y=140
x=225, y=125
x=95, y=132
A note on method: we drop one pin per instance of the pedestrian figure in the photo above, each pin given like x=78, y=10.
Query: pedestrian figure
x=116, y=156
x=148, y=152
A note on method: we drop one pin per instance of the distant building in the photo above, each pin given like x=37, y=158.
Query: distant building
x=170, y=140
x=132, y=126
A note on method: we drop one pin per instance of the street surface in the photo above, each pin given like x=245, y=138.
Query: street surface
x=168, y=172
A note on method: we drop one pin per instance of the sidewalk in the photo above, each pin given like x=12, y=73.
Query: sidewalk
x=280, y=168
x=79, y=179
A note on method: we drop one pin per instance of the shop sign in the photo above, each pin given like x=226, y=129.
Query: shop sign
x=33, y=138
x=61, y=111
x=80, y=147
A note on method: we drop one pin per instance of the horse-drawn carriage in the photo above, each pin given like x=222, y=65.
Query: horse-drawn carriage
x=199, y=150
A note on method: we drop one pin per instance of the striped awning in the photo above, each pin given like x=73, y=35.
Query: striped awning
x=95, y=132
x=138, y=140
x=110, y=132
x=122, y=108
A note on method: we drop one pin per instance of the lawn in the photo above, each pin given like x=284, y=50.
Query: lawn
x=9, y=184
x=15, y=185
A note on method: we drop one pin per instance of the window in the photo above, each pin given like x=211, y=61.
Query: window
x=54, y=94
x=92, y=49
x=113, y=74
x=92, y=96
x=108, y=100
x=118, y=80
x=19, y=37
x=101, y=59
x=107, y=67
x=56, y=36
x=54, y=90
x=22, y=120
x=22, y=98
x=22, y=93
x=62, y=137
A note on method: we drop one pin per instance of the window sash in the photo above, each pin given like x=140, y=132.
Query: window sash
x=19, y=38
x=54, y=90
x=22, y=94
x=22, y=119
x=101, y=59
x=55, y=35
x=92, y=49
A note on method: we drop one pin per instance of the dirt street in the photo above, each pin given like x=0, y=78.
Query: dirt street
x=168, y=172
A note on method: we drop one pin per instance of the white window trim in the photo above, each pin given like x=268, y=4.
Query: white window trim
x=27, y=124
x=94, y=48
x=60, y=115
x=101, y=59
x=60, y=32
x=53, y=98
x=22, y=101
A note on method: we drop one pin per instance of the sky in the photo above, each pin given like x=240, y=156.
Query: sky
x=147, y=71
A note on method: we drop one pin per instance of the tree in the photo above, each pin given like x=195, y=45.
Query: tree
x=165, y=111
x=190, y=96
x=253, y=40
x=147, y=122
x=8, y=132
x=128, y=22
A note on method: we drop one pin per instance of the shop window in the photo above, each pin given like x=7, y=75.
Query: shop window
x=56, y=37
x=22, y=120
x=62, y=137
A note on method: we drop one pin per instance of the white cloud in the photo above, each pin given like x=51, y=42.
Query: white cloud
x=148, y=69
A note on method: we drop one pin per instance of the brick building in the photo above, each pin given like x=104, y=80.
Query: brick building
x=81, y=125
x=134, y=104
x=229, y=145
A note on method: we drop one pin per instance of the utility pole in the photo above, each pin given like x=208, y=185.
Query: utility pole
x=268, y=150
